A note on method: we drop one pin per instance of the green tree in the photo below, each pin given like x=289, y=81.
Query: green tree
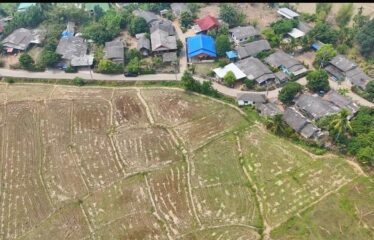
x=133, y=53
x=365, y=39
x=229, y=78
x=137, y=25
x=288, y=92
x=363, y=122
x=26, y=61
x=249, y=83
x=273, y=38
x=64, y=14
x=324, y=33
x=283, y=26
x=78, y=81
x=341, y=124
x=98, y=12
x=230, y=14
x=276, y=125
x=318, y=81
x=324, y=54
x=323, y=10
x=189, y=83
x=31, y=18
x=134, y=65
x=360, y=20
x=109, y=67
x=49, y=58
x=223, y=45
x=179, y=47
x=186, y=19
x=370, y=89
x=344, y=14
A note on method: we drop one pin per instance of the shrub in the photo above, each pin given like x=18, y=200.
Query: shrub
x=78, y=81
x=70, y=69
x=289, y=91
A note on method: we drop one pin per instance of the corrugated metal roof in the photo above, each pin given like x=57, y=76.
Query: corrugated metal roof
x=207, y=23
x=201, y=44
x=221, y=72
x=288, y=13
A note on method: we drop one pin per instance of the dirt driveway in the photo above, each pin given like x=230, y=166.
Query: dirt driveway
x=307, y=58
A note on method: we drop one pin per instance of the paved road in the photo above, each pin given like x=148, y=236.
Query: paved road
x=57, y=74
x=231, y=92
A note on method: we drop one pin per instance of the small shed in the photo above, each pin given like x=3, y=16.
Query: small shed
x=287, y=13
x=232, y=55
x=296, y=33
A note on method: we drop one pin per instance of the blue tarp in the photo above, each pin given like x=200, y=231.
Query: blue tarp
x=67, y=34
x=201, y=44
x=231, y=54
x=316, y=46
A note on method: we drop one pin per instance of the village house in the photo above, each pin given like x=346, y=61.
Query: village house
x=302, y=125
x=178, y=8
x=164, y=25
x=244, y=34
x=22, y=38
x=268, y=109
x=221, y=72
x=162, y=42
x=252, y=49
x=281, y=77
x=114, y=51
x=341, y=68
x=341, y=101
x=148, y=16
x=255, y=70
x=206, y=23
x=315, y=107
x=246, y=98
x=201, y=47
x=285, y=62
x=74, y=52
x=144, y=45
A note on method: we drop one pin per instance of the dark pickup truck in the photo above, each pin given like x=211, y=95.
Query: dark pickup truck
x=130, y=74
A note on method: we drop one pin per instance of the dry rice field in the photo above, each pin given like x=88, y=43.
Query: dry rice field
x=160, y=163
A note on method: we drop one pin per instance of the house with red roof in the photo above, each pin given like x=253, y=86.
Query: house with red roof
x=206, y=23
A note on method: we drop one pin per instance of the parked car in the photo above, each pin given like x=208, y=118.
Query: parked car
x=130, y=74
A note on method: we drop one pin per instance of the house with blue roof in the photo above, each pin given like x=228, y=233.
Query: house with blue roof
x=201, y=47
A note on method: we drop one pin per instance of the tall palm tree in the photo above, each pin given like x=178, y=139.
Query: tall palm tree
x=276, y=124
x=341, y=123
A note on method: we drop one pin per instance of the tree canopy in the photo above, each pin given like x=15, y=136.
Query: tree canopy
x=323, y=10
x=107, y=66
x=370, y=90
x=324, y=33
x=273, y=38
x=229, y=78
x=186, y=19
x=31, y=18
x=289, y=91
x=324, y=54
x=284, y=26
x=230, y=14
x=137, y=25
x=223, y=45
x=318, y=81
x=344, y=14
x=365, y=38
x=26, y=61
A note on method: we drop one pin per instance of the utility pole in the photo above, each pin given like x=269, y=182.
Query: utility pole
x=89, y=66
